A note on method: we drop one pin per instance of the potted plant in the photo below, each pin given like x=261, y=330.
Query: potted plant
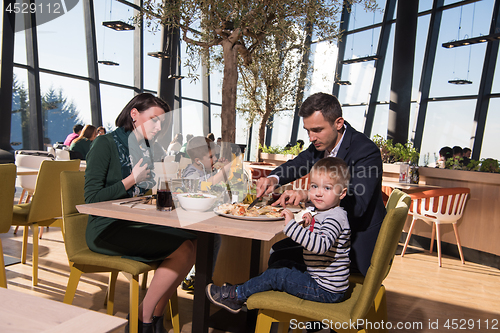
x=278, y=154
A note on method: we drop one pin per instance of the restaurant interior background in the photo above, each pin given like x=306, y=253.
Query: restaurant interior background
x=55, y=64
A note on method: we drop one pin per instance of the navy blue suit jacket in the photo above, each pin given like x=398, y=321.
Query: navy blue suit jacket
x=363, y=202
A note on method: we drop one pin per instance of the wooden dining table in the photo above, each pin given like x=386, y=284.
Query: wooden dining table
x=205, y=225
x=22, y=312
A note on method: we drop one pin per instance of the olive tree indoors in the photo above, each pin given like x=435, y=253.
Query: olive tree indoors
x=231, y=30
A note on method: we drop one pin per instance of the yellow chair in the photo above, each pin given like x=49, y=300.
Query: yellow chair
x=365, y=302
x=8, y=177
x=44, y=208
x=83, y=260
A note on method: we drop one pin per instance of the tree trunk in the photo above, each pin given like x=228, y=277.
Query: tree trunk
x=229, y=86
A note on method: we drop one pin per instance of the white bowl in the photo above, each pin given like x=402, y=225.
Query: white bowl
x=196, y=204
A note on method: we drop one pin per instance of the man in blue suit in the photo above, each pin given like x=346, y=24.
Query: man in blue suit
x=330, y=135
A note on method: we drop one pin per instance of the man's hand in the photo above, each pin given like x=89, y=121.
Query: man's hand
x=266, y=185
x=291, y=197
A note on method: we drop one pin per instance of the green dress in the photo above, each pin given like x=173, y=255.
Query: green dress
x=106, y=167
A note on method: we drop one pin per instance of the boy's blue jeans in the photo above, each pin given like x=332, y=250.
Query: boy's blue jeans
x=289, y=280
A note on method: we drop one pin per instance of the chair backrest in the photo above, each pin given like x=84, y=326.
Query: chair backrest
x=444, y=204
x=46, y=201
x=7, y=190
x=383, y=254
x=170, y=169
x=184, y=162
x=169, y=158
x=75, y=223
x=28, y=182
x=301, y=183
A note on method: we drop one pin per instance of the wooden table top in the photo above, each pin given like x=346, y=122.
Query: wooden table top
x=20, y=312
x=180, y=218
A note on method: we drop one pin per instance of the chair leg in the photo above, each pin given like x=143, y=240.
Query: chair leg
x=15, y=230
x=25, y=244
x=3, y=274
x=74, y=278
x=264, y=322
x=35, y=229
x=408, y=237
x=433, y=236
x=133, y=303
x=110, y=293
x=174, y=313
x=455, y=228
x=144, y=284
x=21, y=201
x=438, y=232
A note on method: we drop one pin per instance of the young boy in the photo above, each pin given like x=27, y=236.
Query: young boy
x=326, y=246
x=201, y=151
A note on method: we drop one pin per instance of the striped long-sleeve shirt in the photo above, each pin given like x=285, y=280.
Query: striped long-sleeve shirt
x=326, y=248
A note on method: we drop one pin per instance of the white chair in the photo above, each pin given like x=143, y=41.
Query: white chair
x=170, y=169
x=301, y=183
x=62, y=155
x=439, y=206
x=28, y=182
x=184, y=162
x=169, y=158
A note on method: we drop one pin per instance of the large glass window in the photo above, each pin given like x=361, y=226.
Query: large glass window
x=191, y=87
x=113, y=45
x=282, y=128
x=215, y=120
x=492, y=131
x=20, y=130
x=62, y=48
x=324, y=57
x=447, y=124
x=113, y=100
x=355, y=116
x=192, y=118
x=65, y=103
x=20, y=41
x=362, y=18
x=152, y=43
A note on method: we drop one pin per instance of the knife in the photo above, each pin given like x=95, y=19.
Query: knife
x=254, y=202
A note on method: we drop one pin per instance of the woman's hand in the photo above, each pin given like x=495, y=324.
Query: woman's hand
x=140, y=172
x=291, y=197
x=288, y=215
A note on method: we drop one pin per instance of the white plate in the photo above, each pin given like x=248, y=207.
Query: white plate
x=250, y=218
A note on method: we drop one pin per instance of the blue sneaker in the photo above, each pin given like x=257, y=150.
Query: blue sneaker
x=224, y=297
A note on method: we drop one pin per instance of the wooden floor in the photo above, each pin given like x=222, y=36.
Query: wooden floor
x=419, y=292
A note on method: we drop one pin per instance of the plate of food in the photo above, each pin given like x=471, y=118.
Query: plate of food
x=239, y=211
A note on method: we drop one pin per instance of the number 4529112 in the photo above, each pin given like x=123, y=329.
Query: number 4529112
x=33, y=8
x=471, y=324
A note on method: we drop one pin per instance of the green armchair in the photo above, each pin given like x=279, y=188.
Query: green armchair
x=8, y=177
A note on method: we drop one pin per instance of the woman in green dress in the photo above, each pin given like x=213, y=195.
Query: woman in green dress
x=81, y=145
x=119, y=165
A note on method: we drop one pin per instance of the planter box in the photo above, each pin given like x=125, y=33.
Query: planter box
x=277, y=159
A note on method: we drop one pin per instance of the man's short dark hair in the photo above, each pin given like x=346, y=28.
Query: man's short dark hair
x=77, y=128
x=328, y=105
x=446, y=152
x=457, y=150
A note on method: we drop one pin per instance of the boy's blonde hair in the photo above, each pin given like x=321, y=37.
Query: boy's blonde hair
x=198, y=147
x=335, y=168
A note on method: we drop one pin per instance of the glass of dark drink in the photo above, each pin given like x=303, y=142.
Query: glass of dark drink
x=164, y=200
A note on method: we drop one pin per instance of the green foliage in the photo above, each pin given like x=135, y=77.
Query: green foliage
x=490, y=165
x=398, y=152
x=295, y=150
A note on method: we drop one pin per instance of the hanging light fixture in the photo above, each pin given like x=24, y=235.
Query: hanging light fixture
x=363, y=59
x=470, y=41
x=159, y=55
x=118, y=25
x=343, y=83
x=108, y=63
x=464, y=42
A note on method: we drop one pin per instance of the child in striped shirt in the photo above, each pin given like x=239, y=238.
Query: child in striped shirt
x=326, y=244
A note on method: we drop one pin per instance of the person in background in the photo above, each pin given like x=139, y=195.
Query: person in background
x=101, y=130
x=467, y=152
x=184, y=146
x=175, y=145
x=113, y=172
x=301, y=143
x=81, y=145
x=325, y=241
x=211, y=137
x=219, y=141
x=216, y=148
x=77, y=130
x=445, y=154
x=457, y=151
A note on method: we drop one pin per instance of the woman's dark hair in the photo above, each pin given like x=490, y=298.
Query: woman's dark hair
x=328, y=105
x=211, y=136
x=87, y=132
x=141, y=102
